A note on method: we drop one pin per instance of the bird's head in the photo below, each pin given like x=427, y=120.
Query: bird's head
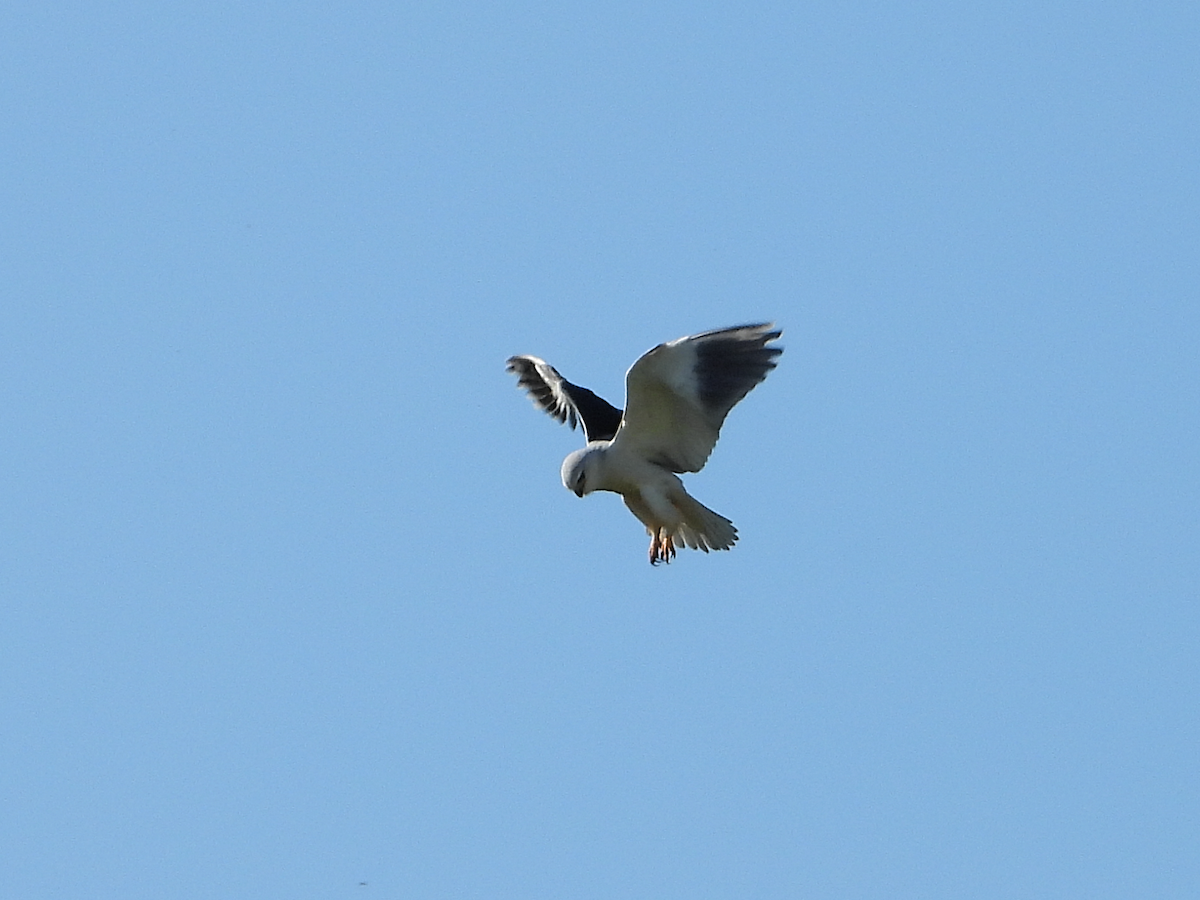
x=580, y=470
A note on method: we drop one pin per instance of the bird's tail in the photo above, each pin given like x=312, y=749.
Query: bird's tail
x=701, y=528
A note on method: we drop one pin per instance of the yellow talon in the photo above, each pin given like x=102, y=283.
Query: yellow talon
x=662, y=547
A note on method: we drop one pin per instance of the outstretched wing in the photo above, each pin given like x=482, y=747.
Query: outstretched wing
x=568, y=403
x=678, y=395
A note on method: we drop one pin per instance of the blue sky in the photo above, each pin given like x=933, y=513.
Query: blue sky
x=293, y=598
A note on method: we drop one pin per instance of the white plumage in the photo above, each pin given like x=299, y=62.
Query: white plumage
x=677, y=398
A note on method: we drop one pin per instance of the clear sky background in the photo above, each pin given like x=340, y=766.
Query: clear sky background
x=293, y=598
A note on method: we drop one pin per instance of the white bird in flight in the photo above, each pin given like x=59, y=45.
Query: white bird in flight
x=676, y=398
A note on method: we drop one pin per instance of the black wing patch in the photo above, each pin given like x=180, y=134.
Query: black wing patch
x=730, y=362
x=566, y=402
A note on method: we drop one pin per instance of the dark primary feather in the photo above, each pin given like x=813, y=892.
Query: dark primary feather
x=730, y=362
x=566, y=402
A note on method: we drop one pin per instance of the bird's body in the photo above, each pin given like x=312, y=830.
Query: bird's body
x=654, y=494
x=677, y=398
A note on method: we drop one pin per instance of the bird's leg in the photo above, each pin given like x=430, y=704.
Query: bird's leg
x=668, y=547
x=662, y=547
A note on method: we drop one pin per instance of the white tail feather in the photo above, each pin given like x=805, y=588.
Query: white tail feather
x=701, y=528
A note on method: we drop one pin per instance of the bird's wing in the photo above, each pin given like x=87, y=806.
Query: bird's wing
x=566, y=402
x=678, y=395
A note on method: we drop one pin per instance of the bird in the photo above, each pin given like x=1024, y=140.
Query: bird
x=677, y=396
